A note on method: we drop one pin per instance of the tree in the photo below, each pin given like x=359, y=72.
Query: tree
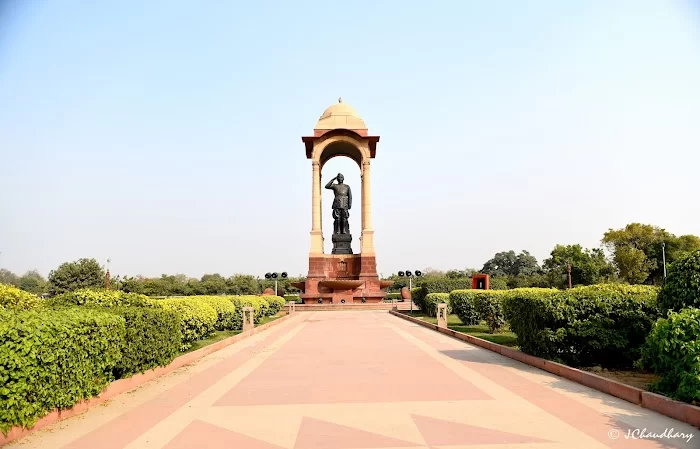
x=637, y=251
x=213, y=284
x=459, y=274
x=588, y=266
x=242, y=284
x=9, y=278
x=83, y=273
x=507, y=263
x=32, y=282
x=501, y=264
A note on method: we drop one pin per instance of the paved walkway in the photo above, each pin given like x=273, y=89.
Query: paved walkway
x=343, y=380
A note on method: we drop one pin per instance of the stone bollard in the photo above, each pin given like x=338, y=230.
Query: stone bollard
x=248, y=314
x=292, y=307
x=394, y=305
x=442, y=315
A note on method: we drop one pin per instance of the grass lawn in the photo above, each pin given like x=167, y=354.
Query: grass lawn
x=221, y=335
x=504, y=337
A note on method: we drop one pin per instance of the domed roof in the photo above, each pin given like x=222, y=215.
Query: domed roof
x=340, y=116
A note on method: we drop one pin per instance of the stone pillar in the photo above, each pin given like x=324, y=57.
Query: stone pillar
x=367, y=247
x=292, y=307
x=248, y=318
x=316, y=230
x=394, y=305
x=442, y=315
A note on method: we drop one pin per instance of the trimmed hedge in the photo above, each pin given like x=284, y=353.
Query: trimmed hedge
x=681, y=288
x=476, y=305
x=54, y=358
x=153, y=338
x=13, y=298
x=225, y=310
x=440, y=285
x=595, y=325
x=462, y=303
x=197, y=318
x=432, y=300
x=258, y=303
x=100, y=298
x=672, y=350
x=274, y=304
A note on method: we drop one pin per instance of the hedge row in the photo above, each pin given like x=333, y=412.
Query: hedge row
x=153, y=338
x=431, y=301
x=101, y=298
x=595, y=325
x=473, y=306
x=13, y=298
x=197, y=318
x=54, y=358
x=424, y=288
x=672, y=350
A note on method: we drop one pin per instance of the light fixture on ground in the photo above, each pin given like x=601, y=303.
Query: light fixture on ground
x=274, y=276
x=410, y=275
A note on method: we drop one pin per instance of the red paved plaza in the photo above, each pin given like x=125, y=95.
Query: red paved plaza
x=350, y=380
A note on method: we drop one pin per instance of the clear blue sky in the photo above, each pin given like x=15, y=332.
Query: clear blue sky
x=166, y=134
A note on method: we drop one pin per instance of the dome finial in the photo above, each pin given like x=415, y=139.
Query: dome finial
x=340, y=99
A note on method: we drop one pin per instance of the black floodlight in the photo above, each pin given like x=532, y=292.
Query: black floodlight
x=401, y=273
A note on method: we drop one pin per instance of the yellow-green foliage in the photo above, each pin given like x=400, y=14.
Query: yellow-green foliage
x=274, y=304
x=603, y=324
x=13, y=298
x=431, y=301
x=197, y=318
x=52, y=359
x=225, y=310
x=471, y=306
x=100, y=298
x=258, y=303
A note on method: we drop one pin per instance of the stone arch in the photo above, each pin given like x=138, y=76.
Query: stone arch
x=349, y=144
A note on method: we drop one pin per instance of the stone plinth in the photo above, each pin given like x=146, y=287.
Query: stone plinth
x=343, y=279
x=442, y=315
x=248, y=318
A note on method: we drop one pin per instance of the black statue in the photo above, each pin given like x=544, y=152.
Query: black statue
x=341, y=207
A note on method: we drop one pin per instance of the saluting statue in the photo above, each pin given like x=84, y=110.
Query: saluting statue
x=341, y=204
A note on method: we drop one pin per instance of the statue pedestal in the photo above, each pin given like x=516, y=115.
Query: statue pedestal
x=342, y=243
x=342, y=279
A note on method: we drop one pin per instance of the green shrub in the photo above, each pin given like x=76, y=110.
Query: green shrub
x=672, y=350
x=472, y=306
x=225, y=310
x=13, y=298
x=153, y=338
x=438, y=285
x=682, y=285
x=433, y=299
x=392, y=296
x=498, y=283
x=595, y=325
x=274, y=304
x=100, y=298
x=197, y=318
x=462, y=302
x=54, y=358
x=256, y=302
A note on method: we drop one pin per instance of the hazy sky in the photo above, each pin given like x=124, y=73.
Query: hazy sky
x=166, y=135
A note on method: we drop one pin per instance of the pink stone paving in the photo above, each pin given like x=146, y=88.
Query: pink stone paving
x=352, y=380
